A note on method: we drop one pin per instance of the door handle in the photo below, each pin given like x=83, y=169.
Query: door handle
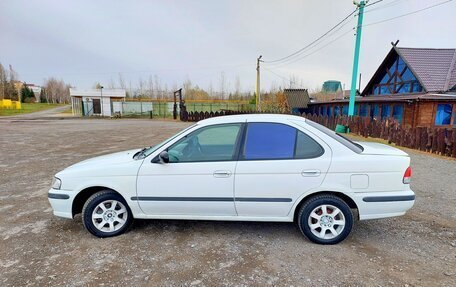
x=222, y=173
x=313, y=172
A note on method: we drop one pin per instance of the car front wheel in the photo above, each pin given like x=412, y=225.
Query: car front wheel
x=325, y=219
x=106, y=214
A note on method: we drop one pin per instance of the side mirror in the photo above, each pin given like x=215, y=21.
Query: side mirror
x=164, y=157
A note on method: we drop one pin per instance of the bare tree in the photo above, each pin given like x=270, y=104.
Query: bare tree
x=57, y=91
x=122, y=84
x=3, y=82
x=111, y=84
x=222, y=84
x=211, y=89
x=237, y=88
x=141, y=85
x=158, y=93
x=150, y=88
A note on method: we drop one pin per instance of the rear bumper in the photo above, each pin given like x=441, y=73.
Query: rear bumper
x=61, y=202
x=384, y=204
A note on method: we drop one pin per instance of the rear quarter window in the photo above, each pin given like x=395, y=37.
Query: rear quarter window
x=357, y=148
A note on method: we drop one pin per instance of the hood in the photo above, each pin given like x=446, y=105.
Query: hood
x=110, y=160
x=371, y=148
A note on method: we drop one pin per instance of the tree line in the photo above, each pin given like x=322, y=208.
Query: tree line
x=52, y=91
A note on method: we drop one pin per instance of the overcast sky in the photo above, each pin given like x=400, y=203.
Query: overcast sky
x=83, y=42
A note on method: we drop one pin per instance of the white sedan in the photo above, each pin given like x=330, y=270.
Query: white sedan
x=244, y=168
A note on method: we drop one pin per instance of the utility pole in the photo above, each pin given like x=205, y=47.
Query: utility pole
x=257, y=90
x=351, y=106
x=101, y=99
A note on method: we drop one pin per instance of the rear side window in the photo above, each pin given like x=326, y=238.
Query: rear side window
x=306, y=147
x=341, y=139
x=278, y=141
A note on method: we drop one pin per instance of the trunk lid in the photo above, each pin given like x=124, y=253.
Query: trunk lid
x=371, y=148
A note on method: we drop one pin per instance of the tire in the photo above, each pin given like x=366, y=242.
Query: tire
x=109, y=207
x=323, y=227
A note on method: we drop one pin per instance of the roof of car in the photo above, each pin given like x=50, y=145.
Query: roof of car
x=251, y=117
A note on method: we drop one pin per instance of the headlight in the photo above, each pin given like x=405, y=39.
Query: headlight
x=56, y=183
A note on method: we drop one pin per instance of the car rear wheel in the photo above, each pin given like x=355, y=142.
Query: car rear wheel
x=325, y=219
x=106, y=214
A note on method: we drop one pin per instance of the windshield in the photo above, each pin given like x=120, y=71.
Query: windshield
x=148, y=151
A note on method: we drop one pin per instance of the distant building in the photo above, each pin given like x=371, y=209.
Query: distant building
x=35, y=89
x=297, y=99
x=96, y=102
x=331, y=87
x=417, y=86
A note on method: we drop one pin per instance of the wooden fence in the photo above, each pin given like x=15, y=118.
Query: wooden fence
x=435, y=140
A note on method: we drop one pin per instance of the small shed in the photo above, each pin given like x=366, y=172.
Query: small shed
x=297, y=99
x=97, y=102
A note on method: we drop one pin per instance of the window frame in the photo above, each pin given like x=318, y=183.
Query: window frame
x=452, y=114
x=237, y=144
x=241, y=155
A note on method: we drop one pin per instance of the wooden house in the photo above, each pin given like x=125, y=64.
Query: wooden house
x=414, y=85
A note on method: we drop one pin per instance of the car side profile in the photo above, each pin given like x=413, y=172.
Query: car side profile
x=262, y=167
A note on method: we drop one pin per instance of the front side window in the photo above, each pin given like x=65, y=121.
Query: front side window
x=443, y=115
x=266, y=141
x=213, y=143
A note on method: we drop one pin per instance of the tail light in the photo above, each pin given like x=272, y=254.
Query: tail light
x=407, y=175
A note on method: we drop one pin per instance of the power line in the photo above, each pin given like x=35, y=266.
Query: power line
x=282, y=77
x=373, y=3
x=407, y=14
x=316, y=40
x=293, y=59
x=387, y=5
x=317, y=50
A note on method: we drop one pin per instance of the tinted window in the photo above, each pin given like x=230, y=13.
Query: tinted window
x=213, y=143
x=269, y=141
x=306, y=147
x=278, y=141
x=346, y=142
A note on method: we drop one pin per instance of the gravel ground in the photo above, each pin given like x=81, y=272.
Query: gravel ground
x=38, y=249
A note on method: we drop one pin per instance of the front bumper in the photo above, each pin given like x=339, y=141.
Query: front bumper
x=62, y=202
x=374, y=205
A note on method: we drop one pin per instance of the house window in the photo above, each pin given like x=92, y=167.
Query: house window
x=386, y=111
x=398, y=112
x=443, y=115
x=323, y=110
x=374, y=111
x=345, y=110
x=396, y=78
x=329, y=111
x=363, y=111
x=336, y=111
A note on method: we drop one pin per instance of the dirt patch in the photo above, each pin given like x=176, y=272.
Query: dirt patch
x=38, y=249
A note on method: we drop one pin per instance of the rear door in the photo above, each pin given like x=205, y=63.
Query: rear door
x=278, y=163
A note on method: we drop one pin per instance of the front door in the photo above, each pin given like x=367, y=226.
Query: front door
x=277, y=164
x=96, y=106
x=198, y=180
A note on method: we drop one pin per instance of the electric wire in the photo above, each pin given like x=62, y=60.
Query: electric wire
x=407, y=14
x=313, y=42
